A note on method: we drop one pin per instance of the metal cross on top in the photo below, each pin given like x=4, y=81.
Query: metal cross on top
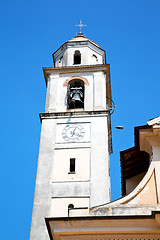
x=80, y=25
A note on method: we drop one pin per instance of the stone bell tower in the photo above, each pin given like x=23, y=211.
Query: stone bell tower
x=73, y=165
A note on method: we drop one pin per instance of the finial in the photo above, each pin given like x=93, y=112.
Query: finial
x=80, y=26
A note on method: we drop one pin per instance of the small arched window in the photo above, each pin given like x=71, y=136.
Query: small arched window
x=75, y=92
x=77, y=57
x=70, y=206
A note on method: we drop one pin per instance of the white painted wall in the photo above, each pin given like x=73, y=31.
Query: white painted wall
x=61, y=166
x=59, y=207
x=65, y=57
x=99, y=92
x=100, y=175
x=95, y=92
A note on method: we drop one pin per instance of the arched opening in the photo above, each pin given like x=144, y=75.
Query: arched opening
x=70, y=207
x=75, y=94
x=77, y=57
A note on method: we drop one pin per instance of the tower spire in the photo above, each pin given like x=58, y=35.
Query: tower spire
x=80, y=25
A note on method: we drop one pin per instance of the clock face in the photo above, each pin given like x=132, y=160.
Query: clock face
x=73, y=132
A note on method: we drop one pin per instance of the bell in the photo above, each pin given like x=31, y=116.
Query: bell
x=76, y=97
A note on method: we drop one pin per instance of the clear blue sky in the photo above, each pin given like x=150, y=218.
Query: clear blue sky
x=129, y=31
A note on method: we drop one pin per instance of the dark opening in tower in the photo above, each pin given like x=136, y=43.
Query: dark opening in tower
x=77, y=57
x=72, y=165
x=75, y=94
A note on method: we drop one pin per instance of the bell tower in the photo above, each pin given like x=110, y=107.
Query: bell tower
x=73, y=165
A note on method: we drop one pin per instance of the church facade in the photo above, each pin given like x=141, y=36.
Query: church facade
x=72, y=193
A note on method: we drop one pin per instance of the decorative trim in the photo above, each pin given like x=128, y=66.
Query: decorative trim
x=76, y=114
x=86, y=83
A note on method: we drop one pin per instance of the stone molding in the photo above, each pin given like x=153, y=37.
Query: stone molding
x=105, y=228
x=73, y=114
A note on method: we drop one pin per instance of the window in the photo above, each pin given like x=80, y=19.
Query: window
x=72, y=165
x=77, y=57
x=75, y=92
x=70, y=206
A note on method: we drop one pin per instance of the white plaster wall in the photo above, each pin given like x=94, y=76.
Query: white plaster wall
x=100, y=176
x=48, y=94
x=42, y=197
x=86, y=50
x=57, y=94
x=61, y=96
x=70, y=189
x=52, y=93
x=84, y=55
x=91, y=60
x=59, y=206
x=61, y=166
x=99, y=91
x=79, y=212
x=92, y=171
x=61, y=58
x=95, y=92
x=96, y=151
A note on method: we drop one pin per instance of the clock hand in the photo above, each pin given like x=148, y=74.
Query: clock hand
x=73, y=131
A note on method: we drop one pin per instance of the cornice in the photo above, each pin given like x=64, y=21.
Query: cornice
x=75, y=69
x=104, y=227
x=76, y=114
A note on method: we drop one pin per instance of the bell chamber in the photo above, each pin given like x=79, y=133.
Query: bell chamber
x=75, y=92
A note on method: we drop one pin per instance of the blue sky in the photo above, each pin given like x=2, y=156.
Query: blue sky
x=129, y=31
